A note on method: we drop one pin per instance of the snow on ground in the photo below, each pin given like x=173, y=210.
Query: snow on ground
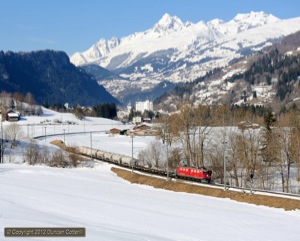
x=115, y=144
x=62, y=125
x=113, y=209
x=55, y=123
x=47, y=123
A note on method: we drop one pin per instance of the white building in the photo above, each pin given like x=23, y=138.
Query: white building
x=129, y=107
x=137, y=119
x=144, y=105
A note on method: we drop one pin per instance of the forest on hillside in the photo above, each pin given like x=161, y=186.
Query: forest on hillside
x=51, y=78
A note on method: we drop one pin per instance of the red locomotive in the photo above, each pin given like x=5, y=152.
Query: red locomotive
x=197, y=174
x=194, y=173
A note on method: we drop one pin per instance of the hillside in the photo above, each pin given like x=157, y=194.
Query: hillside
x=270, y=77
x=50, y=77
x=115, y=85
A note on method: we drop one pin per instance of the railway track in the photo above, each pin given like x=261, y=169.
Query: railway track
x=163, y=174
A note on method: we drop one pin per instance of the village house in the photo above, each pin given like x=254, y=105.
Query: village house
x=12, y=115
x=143, y=129
x=114, y=131
x=136, y=119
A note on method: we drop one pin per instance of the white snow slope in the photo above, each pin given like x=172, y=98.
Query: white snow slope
x=113, y=209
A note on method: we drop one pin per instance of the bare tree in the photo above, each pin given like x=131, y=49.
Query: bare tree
x=191, y=126
x=233, y=160
x=154, y=155
x=175, y=157
x=45, y=157
x=204, y=124
x=248, y=144
x=166, y=128
x=29, y=99
x=214, y=160
x=288, y=132
x=59, y=159
x=13, y=132
x=18, y=99
x=295, y=138
x=187, y=133
x=33, y=154
x=5, y=101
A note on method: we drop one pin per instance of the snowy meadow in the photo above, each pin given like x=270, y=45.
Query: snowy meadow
x=111, y=208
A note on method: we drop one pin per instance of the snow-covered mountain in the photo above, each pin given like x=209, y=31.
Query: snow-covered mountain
x=179, y=52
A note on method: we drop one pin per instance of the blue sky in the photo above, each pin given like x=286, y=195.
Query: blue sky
x=74, y=25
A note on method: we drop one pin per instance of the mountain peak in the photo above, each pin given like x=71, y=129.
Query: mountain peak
x=255, y=17
x=168, y=22
x=245, y=21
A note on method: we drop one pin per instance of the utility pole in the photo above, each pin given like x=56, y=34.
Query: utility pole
x=224, y=143
x=167, y=154
x=167, y=141
x=45, y=132
x=132, y=153
x=91, y=146
x=65, y=136
x=199, y=156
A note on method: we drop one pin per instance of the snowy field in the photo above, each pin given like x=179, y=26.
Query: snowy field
x=113, y=209
x=63, y=126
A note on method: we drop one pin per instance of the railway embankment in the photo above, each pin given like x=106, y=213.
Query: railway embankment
x=179, y=186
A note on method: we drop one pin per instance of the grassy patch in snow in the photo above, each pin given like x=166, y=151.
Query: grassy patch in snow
x=178, y=186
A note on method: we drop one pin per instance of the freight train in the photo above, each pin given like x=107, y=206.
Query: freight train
x=188, y=173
